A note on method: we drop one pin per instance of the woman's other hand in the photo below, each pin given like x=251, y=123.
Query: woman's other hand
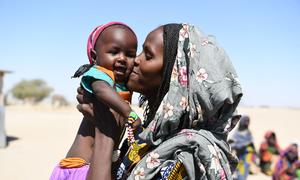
x=85, y=106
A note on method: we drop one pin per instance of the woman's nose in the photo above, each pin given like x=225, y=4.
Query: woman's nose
x=137, y=60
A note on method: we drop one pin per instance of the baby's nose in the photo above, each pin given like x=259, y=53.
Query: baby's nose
x=122, y=58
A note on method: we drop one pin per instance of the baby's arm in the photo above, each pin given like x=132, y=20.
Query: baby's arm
x=111, y=98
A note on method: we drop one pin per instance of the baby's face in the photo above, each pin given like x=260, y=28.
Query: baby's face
x=116, y=51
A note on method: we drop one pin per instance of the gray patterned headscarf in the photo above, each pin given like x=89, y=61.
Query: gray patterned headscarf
x=204, y=89
x=194, y=117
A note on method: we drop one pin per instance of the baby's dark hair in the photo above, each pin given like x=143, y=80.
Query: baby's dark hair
x=170, y=45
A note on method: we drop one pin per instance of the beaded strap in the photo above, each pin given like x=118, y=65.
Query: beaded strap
x=131, y=119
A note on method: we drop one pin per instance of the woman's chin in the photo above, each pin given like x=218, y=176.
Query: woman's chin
x=133, y=84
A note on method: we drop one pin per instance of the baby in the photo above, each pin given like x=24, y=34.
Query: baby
x=111, y=51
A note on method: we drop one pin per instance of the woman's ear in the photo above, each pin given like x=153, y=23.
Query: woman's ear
x=94, y=55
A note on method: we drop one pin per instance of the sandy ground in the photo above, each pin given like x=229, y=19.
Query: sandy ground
x=40, y=136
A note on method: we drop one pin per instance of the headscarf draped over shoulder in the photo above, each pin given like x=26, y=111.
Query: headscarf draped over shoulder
x=192, y=122
x=204, y=89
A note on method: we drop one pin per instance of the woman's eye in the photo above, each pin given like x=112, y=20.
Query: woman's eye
x=148, y=56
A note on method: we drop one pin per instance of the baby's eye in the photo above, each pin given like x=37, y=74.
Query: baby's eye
x=114, y=51
x=131, y=55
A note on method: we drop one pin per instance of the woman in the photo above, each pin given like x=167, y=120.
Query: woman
x=241, y=142
x=268, y=153
x=191, y=90
x=288, y=165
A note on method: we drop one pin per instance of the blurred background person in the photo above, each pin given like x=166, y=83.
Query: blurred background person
x=269, y=151
x=288, y=165
x=241, y=141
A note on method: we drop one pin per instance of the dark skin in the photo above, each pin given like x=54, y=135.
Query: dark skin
x=272, y=140
x=105, y=140
x=291, y=157
x=244, y=126
x=147, y=68
x=145, y=78
x=97, y=139
x=146, y=75
x=115, y=50
x=84, y=141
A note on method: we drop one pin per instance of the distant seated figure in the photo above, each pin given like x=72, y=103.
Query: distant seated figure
x=241, y=142
x=268, y=153
x=288, y=165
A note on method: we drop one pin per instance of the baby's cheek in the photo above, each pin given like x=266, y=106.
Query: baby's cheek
x=129, y=69
x=130, y=63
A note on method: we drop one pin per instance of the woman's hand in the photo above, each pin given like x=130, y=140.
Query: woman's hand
x=85, y=106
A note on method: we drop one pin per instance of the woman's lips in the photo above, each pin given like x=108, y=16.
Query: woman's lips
x=135, y=71
x=134, y=74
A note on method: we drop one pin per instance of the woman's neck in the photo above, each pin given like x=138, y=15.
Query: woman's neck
x=151, y=100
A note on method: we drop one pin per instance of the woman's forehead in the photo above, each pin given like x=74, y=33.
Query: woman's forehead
x=154, y=38
x=156, y=33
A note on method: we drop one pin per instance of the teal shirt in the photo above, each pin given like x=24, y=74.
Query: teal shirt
x=94, y=74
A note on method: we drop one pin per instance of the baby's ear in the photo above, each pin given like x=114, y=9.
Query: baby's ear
x=94, y=55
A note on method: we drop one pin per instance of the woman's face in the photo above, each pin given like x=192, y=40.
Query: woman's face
x=293, y=152
x=272, y=139
x=147, y=72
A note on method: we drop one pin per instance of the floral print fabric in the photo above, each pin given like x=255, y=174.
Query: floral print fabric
x=204, y=89
x=190, y=123
x=201, y=153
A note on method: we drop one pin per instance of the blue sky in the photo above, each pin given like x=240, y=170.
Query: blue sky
x=47, y=39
